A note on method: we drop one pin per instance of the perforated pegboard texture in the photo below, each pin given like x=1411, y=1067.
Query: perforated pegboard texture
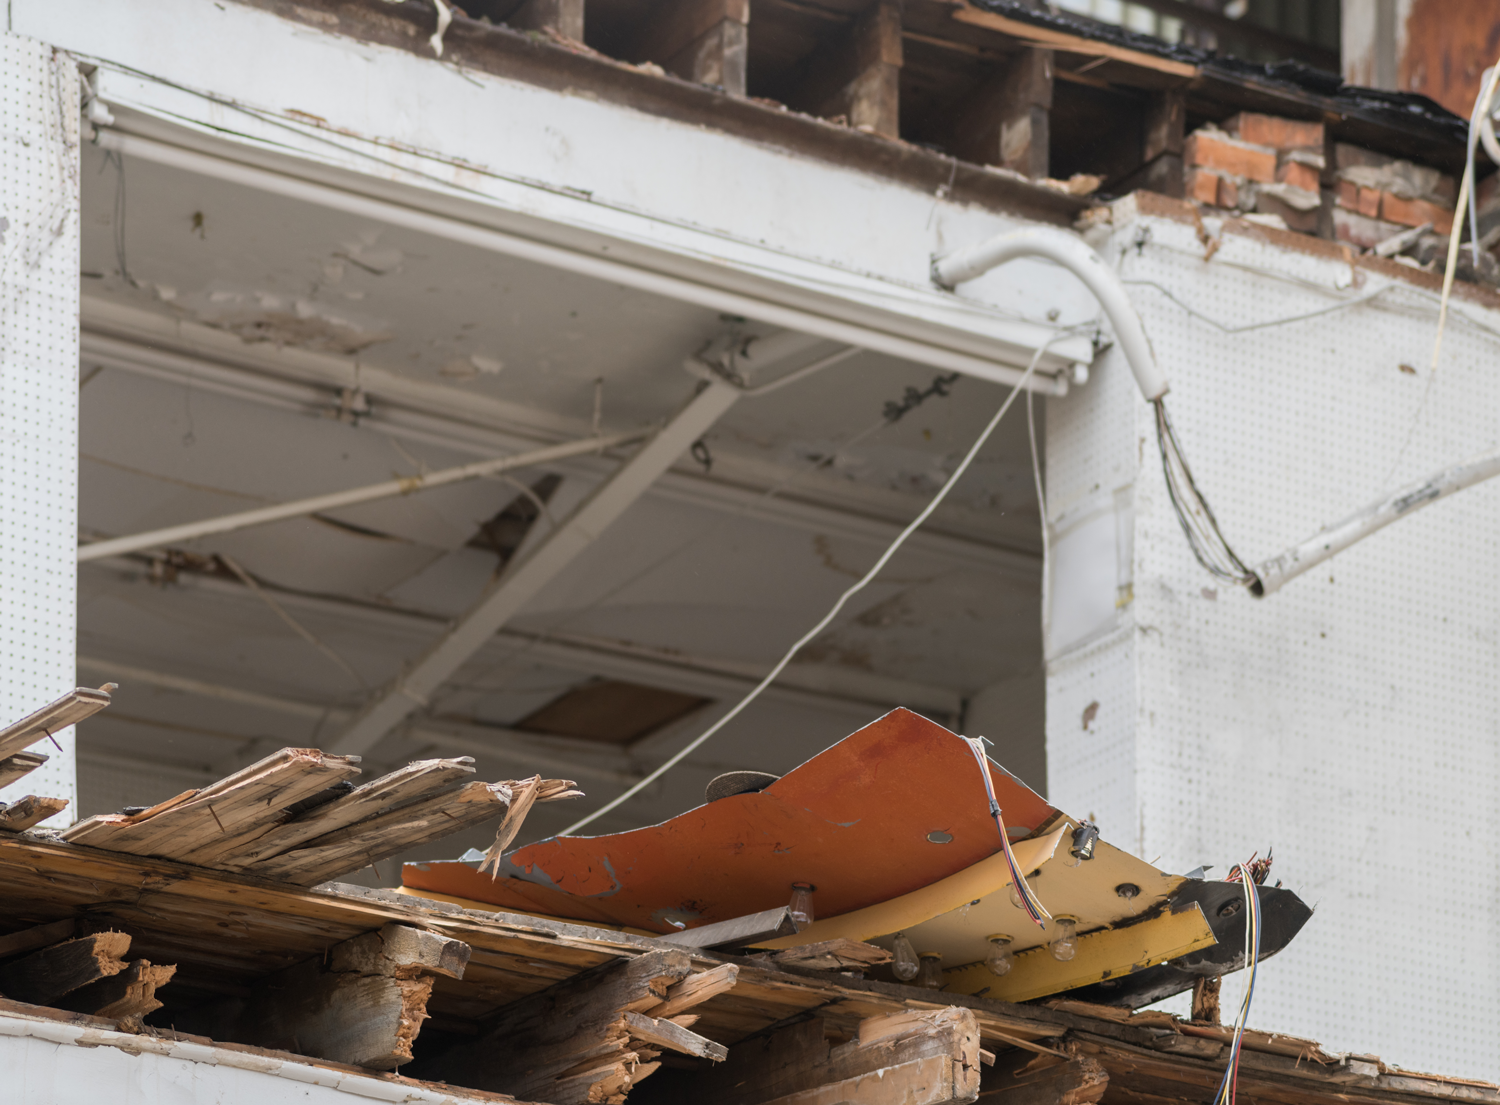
x=38, y=392
x=1349, y=721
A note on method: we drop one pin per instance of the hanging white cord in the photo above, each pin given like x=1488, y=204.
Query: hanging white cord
x=864, y=581
x=1041, y=506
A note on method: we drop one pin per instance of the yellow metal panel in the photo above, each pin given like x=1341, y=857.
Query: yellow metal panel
x=1107, y=953
x=985, y=878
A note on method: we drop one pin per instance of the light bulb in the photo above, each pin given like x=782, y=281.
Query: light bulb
x=801, y=905
x=931, y=975
x=999, y=960
x=904, y=963
x=1065, y=946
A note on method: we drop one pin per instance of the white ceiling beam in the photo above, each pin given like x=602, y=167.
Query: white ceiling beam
x=800, y=685
x=253, y=381
x=387, y=489
x=494, y=741
x=520, y=584
x=1021, y=338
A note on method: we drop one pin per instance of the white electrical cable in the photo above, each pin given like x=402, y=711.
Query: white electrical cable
x=823, y=623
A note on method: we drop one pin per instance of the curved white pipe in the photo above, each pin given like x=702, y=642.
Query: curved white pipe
x=1274, y=573
x=1062, y=248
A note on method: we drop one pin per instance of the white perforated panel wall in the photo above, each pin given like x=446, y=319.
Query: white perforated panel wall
x=1350, y=722
x=38, y=392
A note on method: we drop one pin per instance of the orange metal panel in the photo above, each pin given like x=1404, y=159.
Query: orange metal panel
x=854, y=821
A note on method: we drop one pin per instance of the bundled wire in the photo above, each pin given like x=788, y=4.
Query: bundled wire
x=1193, y=513
x=1029, y=901
x=1244, y=873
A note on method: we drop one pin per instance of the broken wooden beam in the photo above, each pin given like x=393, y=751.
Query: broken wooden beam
x=73, y=707
x=1205, y=1006
x=19, y=765
x=420, y=779
x=694, y=990
x=910, y=1058
x=563, y=18
x=1006, y=122
x=44, y=976
x=127, y=996
x=705, y=41
x=858, y=76
x=29, y=811
x=200, y=826
x=1023, y=1078
x=365, y=1007
x=588, y=1038
x=409, y=826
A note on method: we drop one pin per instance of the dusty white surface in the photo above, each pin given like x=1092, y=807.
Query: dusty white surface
x=1348, y=721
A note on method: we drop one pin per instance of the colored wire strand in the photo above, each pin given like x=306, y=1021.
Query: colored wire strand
x=1195, y=516
x=827, y=618
x=1229, y=1084
x=1029, y=901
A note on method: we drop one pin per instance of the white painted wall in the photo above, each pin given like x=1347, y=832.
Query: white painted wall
x=1349, y=721
x=38, y=393
x=63, y=1064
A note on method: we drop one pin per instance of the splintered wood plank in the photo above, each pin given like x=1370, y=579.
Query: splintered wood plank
x=420, y=779
x=43, y=977
x=19, y=766
x=677, y=1037
x=29, y=811
x=129, y=995
x=414, y=824
x=200, y=826
x=832, y=955
x=568, y=1045
x=1021, y=1078
x=38, y=937
x=695, y=990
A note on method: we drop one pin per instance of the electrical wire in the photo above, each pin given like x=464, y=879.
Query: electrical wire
x=1041, y=506
x=1450, y=269
x=1195, y=516
x=1029, y=901
x=1229, y=1084
x=823, y=622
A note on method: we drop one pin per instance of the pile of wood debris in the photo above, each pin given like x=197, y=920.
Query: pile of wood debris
x=243, y=962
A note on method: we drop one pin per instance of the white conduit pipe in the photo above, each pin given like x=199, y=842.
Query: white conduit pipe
x=171, y=535
x=1274, y=573
x=577, y=261
x=1062, y=248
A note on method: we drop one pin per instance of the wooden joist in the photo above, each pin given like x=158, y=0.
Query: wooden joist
x=858, y=76
x=400, y=951
x=39, y=936
x=706, y=41
x=365, y=1007
x=910, y=1058
x=588, y=1039
x=29, y=811
x=44, y=976
x=1007, y=121
x=127, y=996
x=19, y=766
